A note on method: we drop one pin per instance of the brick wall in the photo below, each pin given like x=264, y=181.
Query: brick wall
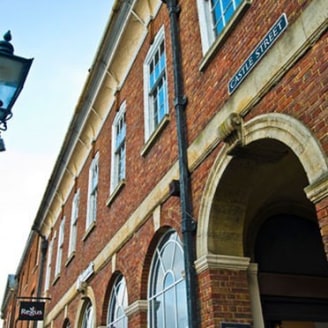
x=301, y=92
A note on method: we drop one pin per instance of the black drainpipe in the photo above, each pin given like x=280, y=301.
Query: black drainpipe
x=188, y=224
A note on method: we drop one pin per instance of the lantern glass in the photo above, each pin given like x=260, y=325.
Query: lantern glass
x=13, y=72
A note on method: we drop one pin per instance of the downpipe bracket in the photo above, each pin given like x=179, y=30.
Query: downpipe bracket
x=189, y=225
x=181, y=102
x=173, y=9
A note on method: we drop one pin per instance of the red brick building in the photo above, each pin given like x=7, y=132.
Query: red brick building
x=191, y=189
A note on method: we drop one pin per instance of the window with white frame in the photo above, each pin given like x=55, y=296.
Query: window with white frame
x=93, y=191
x=88, y=315
x=215, y=16
x=167, y=300
x=60, y=247
x=118, y=148
x=73, y=227
x=155, y=85
x=48, y=270
x=116, y=316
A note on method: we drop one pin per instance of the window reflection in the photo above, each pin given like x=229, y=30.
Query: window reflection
x=167, y=293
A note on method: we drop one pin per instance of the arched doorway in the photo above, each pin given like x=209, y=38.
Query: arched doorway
x=272, y=172
x=293, y=272
x=265, y=180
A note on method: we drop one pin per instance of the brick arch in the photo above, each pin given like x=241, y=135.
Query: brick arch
x=274, y=128
x=107, y=295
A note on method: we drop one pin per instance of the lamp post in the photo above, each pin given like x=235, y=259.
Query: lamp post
x=13, y=73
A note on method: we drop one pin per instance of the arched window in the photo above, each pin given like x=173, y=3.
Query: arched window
x=116, y=317
x=67, y=323
x=88, y=316
x=167, y=299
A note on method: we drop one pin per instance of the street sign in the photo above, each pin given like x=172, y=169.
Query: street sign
x=31, y=311
x=260, y=50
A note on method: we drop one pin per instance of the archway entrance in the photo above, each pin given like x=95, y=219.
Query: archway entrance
x=260, y=196
x=293, y=273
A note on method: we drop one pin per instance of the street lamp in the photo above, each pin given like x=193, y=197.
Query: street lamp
x=13, y=73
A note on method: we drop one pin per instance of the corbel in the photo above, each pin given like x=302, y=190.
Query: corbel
x=231, y=132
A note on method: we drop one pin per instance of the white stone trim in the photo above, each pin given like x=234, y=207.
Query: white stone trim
x=157, y=218
x=212, y=261
x=137, y=306
x=318, y=190
x=293, y=133
x=255, y=298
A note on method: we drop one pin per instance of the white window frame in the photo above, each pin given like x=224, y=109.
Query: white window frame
x=60, y=247
x=206, y=22
x=119, y=124
x=74, y=220
x=49, y=261
x=118, y=304
x=164, y=266
x=150, y=126
x=92, y=191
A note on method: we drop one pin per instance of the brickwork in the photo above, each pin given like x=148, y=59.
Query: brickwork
x=138, y=320
x=128, y=228
x=302, y=92
x=224, y=297
x=28, y=279
x=211, y=83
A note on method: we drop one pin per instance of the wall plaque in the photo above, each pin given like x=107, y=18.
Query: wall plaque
x=260, y=50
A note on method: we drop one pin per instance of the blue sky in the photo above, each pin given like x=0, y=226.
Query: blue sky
x=62, y=36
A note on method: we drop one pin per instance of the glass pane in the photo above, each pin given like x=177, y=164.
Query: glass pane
x=226, y=4
x=182, y=305
x=237, y=3
x=119, y=324
x=170, y=308
x=217, y=16
x=168, y=281
x=11, y=71
x=178, y=264
x=94, y=174
x=87, y=321
x=167, y=256
x=151, y=80
x=157, y=65
x=155, y=109
x=161, y=102
x=117, y=305
x=158, y=307
x=222, y=13
x=6, y=94
x=121, y=163
x=228, y=11
x=158, y=278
